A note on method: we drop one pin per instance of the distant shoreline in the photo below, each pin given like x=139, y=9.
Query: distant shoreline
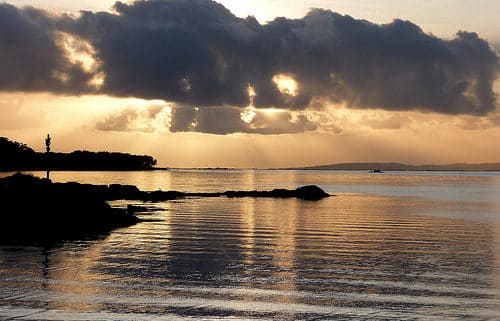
x=86, y=170
x=456, y=167
x=331, y=169
x=247, y=169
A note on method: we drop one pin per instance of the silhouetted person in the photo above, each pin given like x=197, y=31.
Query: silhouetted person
x=47, y=148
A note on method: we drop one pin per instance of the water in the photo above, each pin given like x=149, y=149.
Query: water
x=393, y=246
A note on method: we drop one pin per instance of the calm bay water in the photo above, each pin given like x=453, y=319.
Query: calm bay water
x=392, y=246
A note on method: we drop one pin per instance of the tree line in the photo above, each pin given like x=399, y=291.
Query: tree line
x=15, y=156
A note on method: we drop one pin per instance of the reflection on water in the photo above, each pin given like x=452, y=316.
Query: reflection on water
x=355, y=256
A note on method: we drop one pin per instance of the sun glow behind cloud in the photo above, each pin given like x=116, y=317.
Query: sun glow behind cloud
x=248, y=115
x=81, y=53
x=286, y=84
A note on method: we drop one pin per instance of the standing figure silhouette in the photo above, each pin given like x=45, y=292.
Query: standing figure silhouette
x=47, y=148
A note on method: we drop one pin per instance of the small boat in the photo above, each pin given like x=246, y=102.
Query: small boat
x=376, y=171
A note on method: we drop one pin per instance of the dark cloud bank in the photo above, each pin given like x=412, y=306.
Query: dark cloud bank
x=195, y=53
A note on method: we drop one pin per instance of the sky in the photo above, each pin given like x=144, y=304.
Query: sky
x=255, y=83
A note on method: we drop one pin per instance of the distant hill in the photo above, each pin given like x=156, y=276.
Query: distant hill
x=405, y=167
x=16, y=156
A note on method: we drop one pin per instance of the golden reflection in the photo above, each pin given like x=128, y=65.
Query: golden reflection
x=247, y=221
x=156, y=182
x=280, y=218
x=285, y=243
x=73, y=274
x=248, y=227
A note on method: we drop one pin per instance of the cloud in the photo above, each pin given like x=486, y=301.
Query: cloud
x=131, y=119
x=32, y=57
x=196, y=53
x=120, y=122
x=228, y=120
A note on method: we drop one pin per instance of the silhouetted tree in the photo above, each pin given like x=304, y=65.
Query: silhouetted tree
x=14, y=155
x=17, y=156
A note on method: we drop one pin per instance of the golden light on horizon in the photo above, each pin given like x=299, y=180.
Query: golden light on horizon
x=286, y=84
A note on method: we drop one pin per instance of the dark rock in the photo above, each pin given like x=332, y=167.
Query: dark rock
x=160, y=196
x=32, y=209
x=123, y=192
x=311, y=192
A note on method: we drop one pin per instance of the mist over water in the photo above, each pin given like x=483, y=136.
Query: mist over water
x=393, y=246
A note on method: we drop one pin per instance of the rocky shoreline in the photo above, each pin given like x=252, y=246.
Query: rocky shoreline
x=33, y=209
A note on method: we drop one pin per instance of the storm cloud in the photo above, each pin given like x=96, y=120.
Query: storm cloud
x=196, y=53
x=32, y=57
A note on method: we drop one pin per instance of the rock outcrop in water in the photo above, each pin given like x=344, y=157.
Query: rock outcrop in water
x=127, y=192
x=310, y=192
x=37, y=209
